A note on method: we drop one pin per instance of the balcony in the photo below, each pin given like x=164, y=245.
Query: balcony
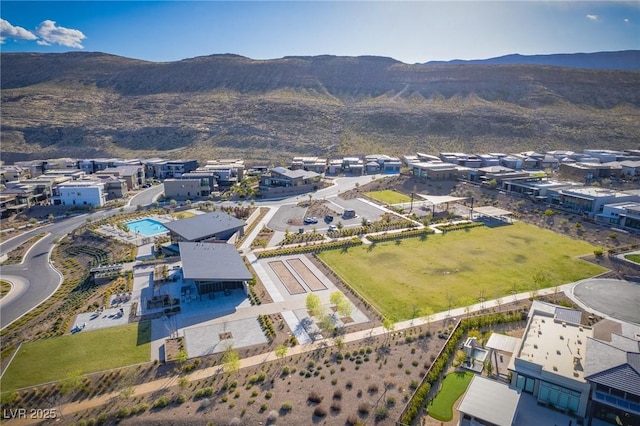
x=617, y=402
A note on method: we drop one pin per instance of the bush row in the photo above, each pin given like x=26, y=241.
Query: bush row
x=439, y=366
x=459, y=226
x=310, y=248
x=404, y=234
x=267, y=327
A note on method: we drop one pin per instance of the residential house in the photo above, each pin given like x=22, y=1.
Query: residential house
x=283, y=182
x=549, y=362
x=589, y=201
x=612, y=368
x=81, y=193
x=133, y=175
x=624, y=215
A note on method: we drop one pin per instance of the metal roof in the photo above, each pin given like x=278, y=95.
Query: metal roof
x=615, y=364
x=502, y=342
x=212, y=262
x=568, y=315
x=204, y=225
x=490, y=401
x=293, y=174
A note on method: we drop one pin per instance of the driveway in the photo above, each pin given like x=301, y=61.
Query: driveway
x=614, y=298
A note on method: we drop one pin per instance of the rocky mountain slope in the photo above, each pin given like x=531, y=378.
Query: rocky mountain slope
x=77, y=104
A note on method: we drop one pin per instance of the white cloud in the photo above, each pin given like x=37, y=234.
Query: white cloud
x=626, y=21
x=592, y=17
x=9, y=31
x=50, y=34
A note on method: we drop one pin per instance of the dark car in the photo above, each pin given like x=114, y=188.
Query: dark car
x=328, y=218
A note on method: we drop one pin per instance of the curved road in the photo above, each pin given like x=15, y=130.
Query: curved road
x=35, y=280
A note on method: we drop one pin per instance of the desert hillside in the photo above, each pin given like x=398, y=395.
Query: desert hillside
x=89, y=104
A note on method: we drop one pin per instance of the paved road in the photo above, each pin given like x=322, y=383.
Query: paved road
x=35, y=280
x=146, y=197
x=615, y=298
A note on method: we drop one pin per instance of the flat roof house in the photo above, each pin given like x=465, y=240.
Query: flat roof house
x=87, y=192
x=612, y=366
x=213, y=266
x=283, y=182
x=214, y=226
x=549, y=363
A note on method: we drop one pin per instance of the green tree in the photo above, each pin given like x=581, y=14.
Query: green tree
x=336, y=297
x=51, y=217
x=326, y=323
x=231, y=360
x=339, y=342
x=313, y=304
x=388, y=325
x=281, y=351
x=492, y=184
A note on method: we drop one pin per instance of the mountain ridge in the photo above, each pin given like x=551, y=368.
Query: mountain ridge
x=87, y=103
x=624, y=60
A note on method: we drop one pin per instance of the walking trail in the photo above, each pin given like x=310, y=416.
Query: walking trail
x=160, y=384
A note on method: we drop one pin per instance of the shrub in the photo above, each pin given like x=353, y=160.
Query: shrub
x=352, y=420
x=320, y=411
x=363, y=408
x=381, y=413
x=272, y=417
x=337, y=394
x=123, y=412
x=335, y=406
x=181, y=398
x=314, y=397
x=161, y=402
x=373, y=388
x=286, y=407
x=598, y=252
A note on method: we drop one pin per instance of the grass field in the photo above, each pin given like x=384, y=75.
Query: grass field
x=453, y=386
x=459, y=267
x=389, y=197
x=633, y=257
x=52, y=359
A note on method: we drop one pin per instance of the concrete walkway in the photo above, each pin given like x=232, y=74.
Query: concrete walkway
x=246, y=244
x=158, y=385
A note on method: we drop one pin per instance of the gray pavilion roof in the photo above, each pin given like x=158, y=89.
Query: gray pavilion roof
x=204, y=225
x=212, y=262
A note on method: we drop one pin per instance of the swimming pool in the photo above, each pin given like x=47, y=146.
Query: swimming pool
x=147, y=227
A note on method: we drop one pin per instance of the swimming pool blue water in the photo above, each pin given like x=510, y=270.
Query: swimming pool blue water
x=147, y=227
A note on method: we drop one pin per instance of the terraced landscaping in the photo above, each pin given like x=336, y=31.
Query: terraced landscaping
x=460, y=267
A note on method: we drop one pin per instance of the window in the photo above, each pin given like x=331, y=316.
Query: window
x=526, y=384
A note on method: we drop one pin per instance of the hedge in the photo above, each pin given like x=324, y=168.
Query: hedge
x=399, y=235
x=459, y=226
x=421, y=395
x=310, y=248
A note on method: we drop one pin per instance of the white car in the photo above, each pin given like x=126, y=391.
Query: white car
x=312, y=219
x=333, y=228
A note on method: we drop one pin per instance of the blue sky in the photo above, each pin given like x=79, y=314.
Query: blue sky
x=411, y=32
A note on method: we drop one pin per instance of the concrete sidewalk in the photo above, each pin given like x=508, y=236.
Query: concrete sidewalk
x=259, y=359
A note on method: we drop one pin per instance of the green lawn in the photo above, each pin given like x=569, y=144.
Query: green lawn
x=389, y=197
x=453, y=386
x=458, y=267
x=633, y=257
x=52, y=359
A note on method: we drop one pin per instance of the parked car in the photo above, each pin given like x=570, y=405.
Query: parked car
x=333, y=228
x=311, y=219
x=349, y=214
x=328, y=218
